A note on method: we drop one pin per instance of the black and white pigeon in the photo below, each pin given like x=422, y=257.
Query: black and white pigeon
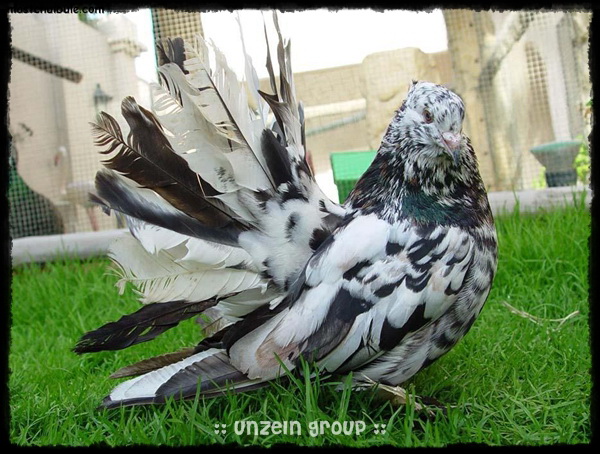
x=227, y=223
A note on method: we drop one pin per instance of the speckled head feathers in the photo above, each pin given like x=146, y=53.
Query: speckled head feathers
x=428, y=112
x=425, y=157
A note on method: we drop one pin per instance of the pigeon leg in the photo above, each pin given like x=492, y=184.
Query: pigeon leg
x=398, y=396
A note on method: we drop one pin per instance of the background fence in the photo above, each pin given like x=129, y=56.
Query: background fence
x=523, y=75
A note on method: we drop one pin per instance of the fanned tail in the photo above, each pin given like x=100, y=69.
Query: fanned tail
x=222, y=208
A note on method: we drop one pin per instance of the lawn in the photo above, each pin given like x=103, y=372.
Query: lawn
x=520, y=377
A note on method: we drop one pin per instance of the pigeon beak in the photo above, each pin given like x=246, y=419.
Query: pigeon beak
x=452, y=143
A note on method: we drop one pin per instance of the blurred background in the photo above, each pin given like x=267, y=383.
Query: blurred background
x=523, y=75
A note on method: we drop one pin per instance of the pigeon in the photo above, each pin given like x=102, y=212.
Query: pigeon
x=227, y=224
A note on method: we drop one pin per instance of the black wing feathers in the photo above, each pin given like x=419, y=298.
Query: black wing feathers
x=210, y=376
x=171, y=50
x=342, y=313
x=185, y=382
x=148, y=159
x=277, y=158
x=140, y=326
x=114, y=194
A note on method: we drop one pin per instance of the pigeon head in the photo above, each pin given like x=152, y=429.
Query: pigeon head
x=426, y=166
x=429, y=124
x=435, y=115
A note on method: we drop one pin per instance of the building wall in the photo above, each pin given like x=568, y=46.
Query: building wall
x=521, y=73
x=58, y=110
x=386, y=78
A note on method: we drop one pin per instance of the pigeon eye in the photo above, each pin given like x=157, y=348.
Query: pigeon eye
x=428, y=117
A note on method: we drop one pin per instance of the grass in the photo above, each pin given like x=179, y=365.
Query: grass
x=511, y=381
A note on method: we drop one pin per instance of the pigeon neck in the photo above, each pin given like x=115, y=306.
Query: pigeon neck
x=398, y=188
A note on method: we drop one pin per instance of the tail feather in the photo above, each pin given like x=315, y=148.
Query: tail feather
x=208, y=372
x=166, y=275
x=156, y=362
x=141, y=326
x=229, y=167
x=178, y=106
x=171, y=50
x=148, y=159
x=184, y=248
x=225, y=105
x=252, y=81
x=116, y=193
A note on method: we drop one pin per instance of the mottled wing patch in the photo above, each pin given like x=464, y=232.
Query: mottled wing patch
x=362, y=295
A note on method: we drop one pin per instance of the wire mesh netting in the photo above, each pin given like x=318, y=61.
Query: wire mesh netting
x=523, y=75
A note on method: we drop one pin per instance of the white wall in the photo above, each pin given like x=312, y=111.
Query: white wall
x=58, y=110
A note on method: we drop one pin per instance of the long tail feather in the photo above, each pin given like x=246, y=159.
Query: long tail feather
x=287, y=91
x=148, y=365
x=269, y=62
x=210, y=254
x=141, y=326
x=171, y=50
x=252, y=81
x=225, y=105
x=148, y=159
x=166, y=275
x=114, y=192
x=208, y=372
